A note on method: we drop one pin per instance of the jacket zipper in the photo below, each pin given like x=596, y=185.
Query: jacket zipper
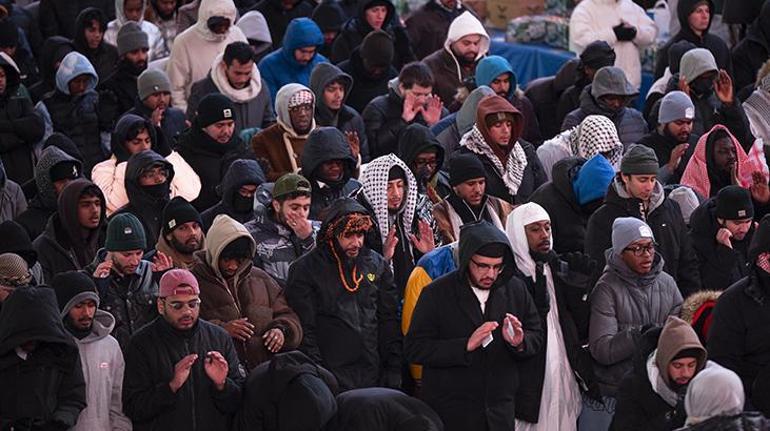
x=192, y=388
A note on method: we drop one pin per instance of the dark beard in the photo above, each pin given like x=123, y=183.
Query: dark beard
x=183, y=248
x=673, y=137
x=134, y=69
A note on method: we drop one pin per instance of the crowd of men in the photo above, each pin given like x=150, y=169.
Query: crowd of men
x=297, y=215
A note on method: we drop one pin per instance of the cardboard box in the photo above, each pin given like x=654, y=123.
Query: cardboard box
x=500, y=12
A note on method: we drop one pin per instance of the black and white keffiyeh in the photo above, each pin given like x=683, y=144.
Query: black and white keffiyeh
x=513, y=172
x=596, y=134
x=375, y=187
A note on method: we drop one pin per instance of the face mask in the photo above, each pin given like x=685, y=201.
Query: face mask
x=607, y=108
x=242, y=204
x=158, y=191
x=702, y=87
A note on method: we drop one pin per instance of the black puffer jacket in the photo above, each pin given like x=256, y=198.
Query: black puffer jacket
x=240, y=173
x=709, y=41
x=366, y=87
x=381, y=409
x=53, y=50
x=355, y=335
x=546, y=94
x=323, y=145
x=753, y=51
x=150, y=360
x=667, y=224
x=630, y=123
x=118, y=90
x=47, y=390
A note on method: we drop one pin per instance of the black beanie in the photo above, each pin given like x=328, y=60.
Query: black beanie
x=693, y=352
x=598, y=54
x=734, y=203
x=178, y=212
x=492, y=249
x=377, y=49
x=213, y=108
x=675, y=53
x=73, y=287
x=464, y=167
x=238, y=248
x=68, y=169
x=9, y=34
x=396, y=173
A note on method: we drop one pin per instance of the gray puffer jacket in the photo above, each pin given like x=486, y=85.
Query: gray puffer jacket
x=622, y=303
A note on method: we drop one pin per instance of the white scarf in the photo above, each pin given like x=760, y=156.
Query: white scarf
x=513, y=172
x=242, y=95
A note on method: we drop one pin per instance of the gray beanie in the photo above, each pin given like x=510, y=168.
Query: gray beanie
x=131, y=37
x=611, y=80
x=152, y=81
x=687, y=200
x=627, y=230
x=695, y=63
x=675, y=106
x=639, y=160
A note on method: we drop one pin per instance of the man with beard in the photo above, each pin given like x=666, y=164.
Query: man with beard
x=467, y=42
x=100, y=354
x=148, y=184
x=651, y=397
x=182, y=372
x=475, y=322
x=238, y=188
x=126, y=283
x=153, y=103
x=279, y=147
x=119, y=91
x=369, y=66
x=673, y=137
x=235, y=75
x=182, y=233
x=89, y=41
x=344, y=295
x=75, y=232
x=468, y=202
x=283, y=231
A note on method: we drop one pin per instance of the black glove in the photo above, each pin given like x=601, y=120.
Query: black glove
x=624, y=32
x=580, y=262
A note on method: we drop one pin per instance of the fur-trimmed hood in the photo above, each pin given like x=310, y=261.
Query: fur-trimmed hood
x=695, y=301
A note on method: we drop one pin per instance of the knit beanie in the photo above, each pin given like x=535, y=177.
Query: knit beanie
x=237, y=248
x=493, y=250
x=627, y=230
x=214, y=107
x=64, y=170
x=695, y=63
x=592, y=180
x=125, y=232
x=72, y=288
x=152, y=81
x=178, y=281
x=675, y=106
x=14, y=271
x=9, y=33
x=178, y=212
x=131, y=37
x=639, y=160
x=734, y=203
x=377, y=49
x=687, y=200
x=464, y=167
x=598, y=54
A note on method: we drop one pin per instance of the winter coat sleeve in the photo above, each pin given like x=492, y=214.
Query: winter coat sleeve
x=23, y=127
x=71, y=397
x=571, y=120
x=110, y=177
x=186, y=182
x=301, y=298
x=734, y=118
x=530, y=324
x=727, y=336
x=389, y=332
x=381, y=132
x=688, y=276
x=645, y=28
x=143, y=398
x=631, y=413
x=583, y=30
x=423, y=344
x=341, y=48
x=268, y=116
x=607, y=342
x=178, y=69
x=417, y=281
x=284, y=317
x=598, y=238
x=228, y=400
x=118, y=421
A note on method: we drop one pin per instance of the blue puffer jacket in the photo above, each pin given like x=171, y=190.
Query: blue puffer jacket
x=280, y=68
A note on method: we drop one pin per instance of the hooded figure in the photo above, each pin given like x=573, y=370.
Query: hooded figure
x=54, y=164
x=513, y=171
x=57, y=18
x=330, y=17
x=66, y=244
x=275, y=391
x=751, y=52
x=757, y=106
x=596, y=55
x=610, y=81
x=348, y=306
x=356, y=28
x=370, y=67
x=280, y=16
x=196, y=48
x=51, y=54
x=147, y=202
x=240, y=173
x=432, y=181
x=449, y=72
x=491, y=68
x=279, y=148
x=281, y=67
x=16, y=241
x=76, y=115
x=40, y=361
x=12, y=200
x=20, y=126
x=105, y=56
x=705, y=176
x=157, y=46
x=456, y=124
x=254, y=26
x=722, y=409
x=550, y=398
x=110, y=174
x=449, y=310
x=248, y=293
x=381, y=409
x=345, y=118
x=625, y=301
x=648, y=398
x=706, y=40
x=326, y=144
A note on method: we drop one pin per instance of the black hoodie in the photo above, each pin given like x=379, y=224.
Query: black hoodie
x=325, y=144
x=416, y=139
x=141, y=203
x=47, y=390
x=367, y=86
x=53, y=51
x=709, y=41
x=241, y=172
x=279, y=18
x=750, y=53
x=105, y=56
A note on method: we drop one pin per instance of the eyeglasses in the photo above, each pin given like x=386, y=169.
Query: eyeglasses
x=155, y=173
x=640, y=250
x=177, y=305
x=487, y=267
x=426, y=162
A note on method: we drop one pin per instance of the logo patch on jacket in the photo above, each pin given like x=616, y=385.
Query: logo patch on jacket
x=370, y=276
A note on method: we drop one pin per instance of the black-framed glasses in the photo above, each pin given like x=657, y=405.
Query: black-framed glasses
x=487, y=267
x=178, y=305
x=640, y=250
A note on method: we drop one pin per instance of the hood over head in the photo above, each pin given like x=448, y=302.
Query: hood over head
x=54, y=49
x=592, y=180
x=492, y=66
x=416, y=139
x=597, y=134
x=325, y=144
x=16, y=240
x=493, y=105
x=73, y=65
x=282, y=105
x=129, y=124
x=520, y=217
x=120, y=15
x=286, y=368
x=240, y=173
x=697, y=174
x=136, y=164
x=685, y=7
x=760, y=29
x=611, y=80
x=341, y=207
x=695, y=63
x=363, y=5
x=50, y=157
x=67, y=212
x=675, y=53
x=12, y=76
x=474, y=236
x=85, y=17
x=466, y=24
x=324, y=74
x=300, y=33
x=702, y=401
x=215, y=8
x=374, y=182
x=222, y=232
x=678, y=336
x=64, y=143
x=254, y=26
x=466, y=116
x=329, y=16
